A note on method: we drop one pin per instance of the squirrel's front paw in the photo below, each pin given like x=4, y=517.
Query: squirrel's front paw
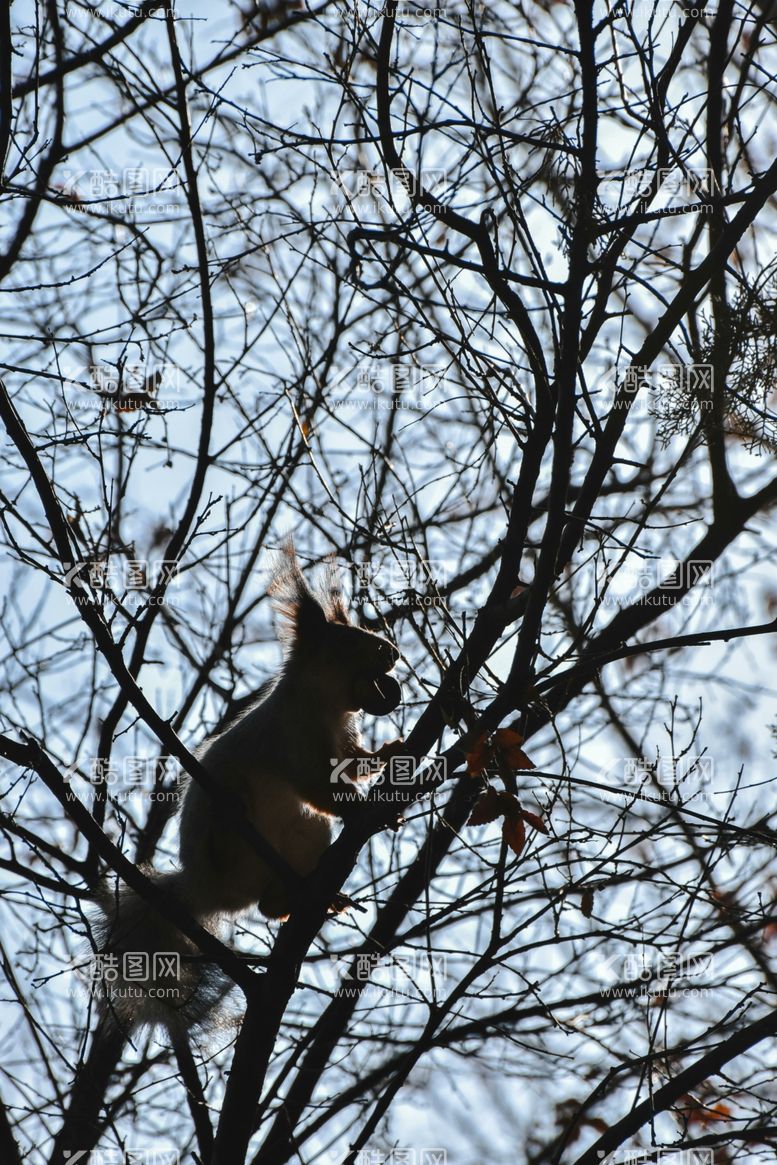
x=341, y=902
x=390, y=749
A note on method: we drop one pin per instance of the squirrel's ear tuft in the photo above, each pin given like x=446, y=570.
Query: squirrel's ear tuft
x=310, y=620
x=334, y=600
x=287, y=589
x=302, y=615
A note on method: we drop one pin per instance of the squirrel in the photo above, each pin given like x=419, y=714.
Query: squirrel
x=277, y=758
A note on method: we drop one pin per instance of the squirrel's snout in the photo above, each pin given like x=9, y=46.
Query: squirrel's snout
x=390, y=655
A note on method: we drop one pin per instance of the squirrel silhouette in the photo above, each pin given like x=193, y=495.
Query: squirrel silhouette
x=277, y=759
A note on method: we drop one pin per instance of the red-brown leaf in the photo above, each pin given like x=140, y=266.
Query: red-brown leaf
x=522, y=761
x=534, y=820
x=478, y=757
x=705, y=1114
x=514, y=833
x=509, y=744
x=487, y=808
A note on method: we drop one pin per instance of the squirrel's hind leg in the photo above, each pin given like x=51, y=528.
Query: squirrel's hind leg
x=303, y=844
x=274, y=902
x=305, y=840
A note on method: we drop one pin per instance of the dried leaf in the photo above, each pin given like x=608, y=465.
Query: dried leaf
x=509, y=744
x=522, y=761
x=477, y=759
x=704, y=1114
x=507, y=738
x=70, y=197
x=487, y=808
x=596, y=1122
x=514, y=833
x=534, y=820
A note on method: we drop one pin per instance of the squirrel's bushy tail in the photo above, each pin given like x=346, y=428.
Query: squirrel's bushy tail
x=145, y=970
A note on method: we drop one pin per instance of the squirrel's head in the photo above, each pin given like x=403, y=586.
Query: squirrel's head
x=348, y=664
